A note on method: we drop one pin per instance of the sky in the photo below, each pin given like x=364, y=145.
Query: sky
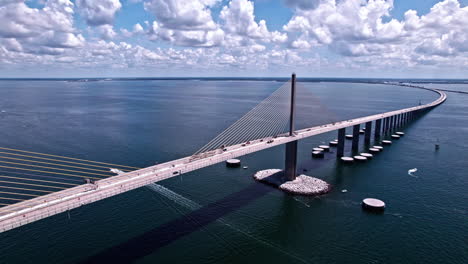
x=234, y=38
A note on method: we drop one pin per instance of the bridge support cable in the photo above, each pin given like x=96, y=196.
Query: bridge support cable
x=264, y=120
x=53, y=164
x=64, y=157
x=35, y=185
x=245, y=126
x=47, y=172
x=52, y=168
x=52, y=173
x=24, y=189
x=35, y=180
x=62, y=161
x=20, y=194
x=35, y=176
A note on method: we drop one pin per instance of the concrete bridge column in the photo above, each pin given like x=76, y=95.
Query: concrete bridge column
x=367, y=134
x=389, y=124
x=291, y=147
x=389, y=127
x=355, y=144
x=384, y=130
x=341, y=142
x=393, y=123
x=378, y=126
x=291, y=160
x=398, y=120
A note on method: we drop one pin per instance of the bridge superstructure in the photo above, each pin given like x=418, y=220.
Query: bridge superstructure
x=28, y=211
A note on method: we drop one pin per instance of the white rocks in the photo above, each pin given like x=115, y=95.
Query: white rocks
x=400, y=133
x=317, y=149
x=333, y=143
x=302, y=185
x=349, y=136
x=395, y=136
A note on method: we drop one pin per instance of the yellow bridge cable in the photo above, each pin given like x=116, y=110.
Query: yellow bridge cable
x=80, y=176
x=21, y=194
x=41, y=176
x=37, y=185
x=68, y=158
x=64, y=161
x=13, y=199
x=25, y=189
x=26, y=179
x=45, y=167
x=13, y=205
x=55, y=164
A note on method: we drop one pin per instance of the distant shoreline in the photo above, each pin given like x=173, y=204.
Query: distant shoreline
x=279, y=79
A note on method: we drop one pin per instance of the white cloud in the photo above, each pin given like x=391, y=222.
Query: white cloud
x=356, y=29
x=184, y=22
x=49, y=30
x=98, y=12
x=107, y=32
x=338, y=35
x=239, y=19
x=183, y=14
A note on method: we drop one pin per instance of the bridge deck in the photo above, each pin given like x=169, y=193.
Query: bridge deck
x=28, y=211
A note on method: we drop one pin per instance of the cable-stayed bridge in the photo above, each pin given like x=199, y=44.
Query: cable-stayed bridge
x=34, y=185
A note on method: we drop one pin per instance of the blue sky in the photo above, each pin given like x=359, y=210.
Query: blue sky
x=314, y=38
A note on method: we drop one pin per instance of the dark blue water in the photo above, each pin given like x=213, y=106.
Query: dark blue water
x=221, y=215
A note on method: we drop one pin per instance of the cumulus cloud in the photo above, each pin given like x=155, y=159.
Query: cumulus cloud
x=356, y=28
x=239, y=19
x=303, y=4
x=98, y=12
x=183, y=14
x=48, y=30
x=358, y=34
x=184, y=22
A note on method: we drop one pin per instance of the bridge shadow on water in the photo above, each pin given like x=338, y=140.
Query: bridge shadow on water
x=154, y=239
x=151, y=241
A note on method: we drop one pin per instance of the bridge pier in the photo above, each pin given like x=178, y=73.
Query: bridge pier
x=387, y=124
x=384, y=129
x=378, y=126
x=367, y=133
x=355, y=144
x=341, y=142
x=291, y=160
x=291, y=147
x=387, y=128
